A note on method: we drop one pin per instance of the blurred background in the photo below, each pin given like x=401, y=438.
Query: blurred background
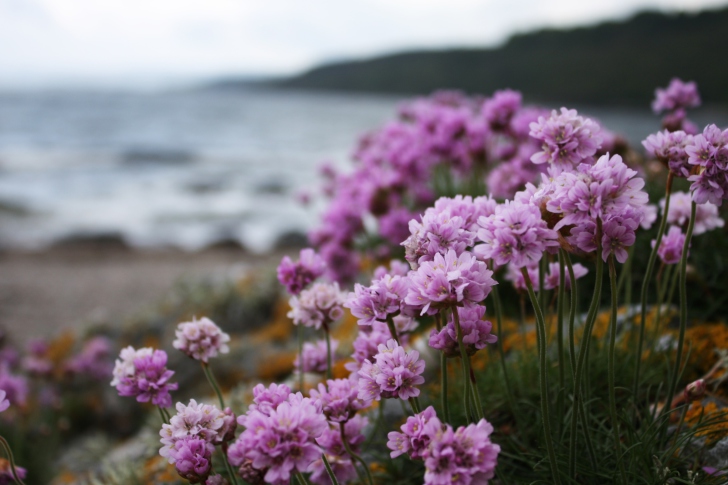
x=146, y=142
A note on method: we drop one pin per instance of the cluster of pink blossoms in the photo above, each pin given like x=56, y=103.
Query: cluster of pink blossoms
x=394, y=373
x=464, y=456
x=189, y=439
x=280, y=435
x=317, y=306
x=297, y=276
x=314, y=356
x=201, y=339
x=708, y=153
x=143, y=374
x=674, y=100
x=476, y=332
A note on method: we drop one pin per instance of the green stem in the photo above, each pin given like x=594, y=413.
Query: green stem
x=233, y=477
x=545, y=413
x=661, y=293
x=300, y=478
x=377, y=424
x=683, y=306
x=573, y=300
x=334, y=481
x=560, y=340
x=11, y=459
x=211, y=379
x=414, y=403
x=542, y=269
x=466, y=363
x=300, y=358
x=162, y=415
x=355, y=456
x=392, y=328
x=443, y=375
x=583, y=348
x=499, y=321
x=587, y=434
x=610, y=365
x=645, y=289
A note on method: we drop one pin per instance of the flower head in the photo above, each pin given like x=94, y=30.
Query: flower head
x=192, y=458
x=394, y=374
x=678, y=95
x=314, y=356
x=567, y=139
x=476, y=332
x=148, y=380
x=318, y=305
x=339, y=399
x=201, y=339
x=415, y=436
x=202, y=421
x=297, y=276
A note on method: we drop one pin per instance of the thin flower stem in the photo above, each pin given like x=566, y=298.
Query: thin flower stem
x=466, y=364
x=328, y=353
x=334, y=481
x=300, y=358
x=661, y=293
x=377, y=423
x=165, y=420
x=211, y=379
x=573, y=300
x=560, y=340
x=355, y=456
x=542, y=268
x=585, y=339
x=610, y=365
x=683, y=306
x=392, y=328
x=233, y=477
x=587, y=434
x=645, y=289
x=499, y=321
x=545, y=413
x=300, y=478
x=11, y=459
x=414, y=404
x=443, y=375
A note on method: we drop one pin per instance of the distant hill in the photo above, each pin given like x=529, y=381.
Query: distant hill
x=613, y=62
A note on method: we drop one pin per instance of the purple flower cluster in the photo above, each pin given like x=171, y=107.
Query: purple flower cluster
x=674, y=100
x=394, y=374
x=192, y=458
x=476, y=332
x=448, y=226
x=143, y=374
x=669, y=148
x=339, y=399
x=383, y=298
x=366, y=345
x=395, y=166
x=567, y=139
x=671, y=246
x=708, y=153
x=314, y=356
x=196, y=421
x=93, y=360
x=607, y=191
x=297, y=276
x=4, y=403
x=464, y=456
x=414, y=438
x=515, y=233
x=15, y=386
x=332, y=445
x=318, y=305
x=706, y=215
x=448, y=281
x=201, y=339
x=279, y=439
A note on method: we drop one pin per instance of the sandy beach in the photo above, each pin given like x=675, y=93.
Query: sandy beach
x=70, y=286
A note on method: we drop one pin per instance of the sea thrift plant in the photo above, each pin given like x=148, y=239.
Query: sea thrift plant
x=282, y=442
x=314, y=356
x=394, y=373
x=201, y=421
x=321, y=304
x=143, y=374
x=201, y=339
x=297, y=276
x=567, y=139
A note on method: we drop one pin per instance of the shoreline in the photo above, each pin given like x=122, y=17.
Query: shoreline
x=72, y=287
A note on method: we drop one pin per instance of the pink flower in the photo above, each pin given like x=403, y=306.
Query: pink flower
x=394, y=374
x=201, y=339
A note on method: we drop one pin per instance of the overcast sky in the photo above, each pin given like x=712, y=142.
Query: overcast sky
x=46, y=42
